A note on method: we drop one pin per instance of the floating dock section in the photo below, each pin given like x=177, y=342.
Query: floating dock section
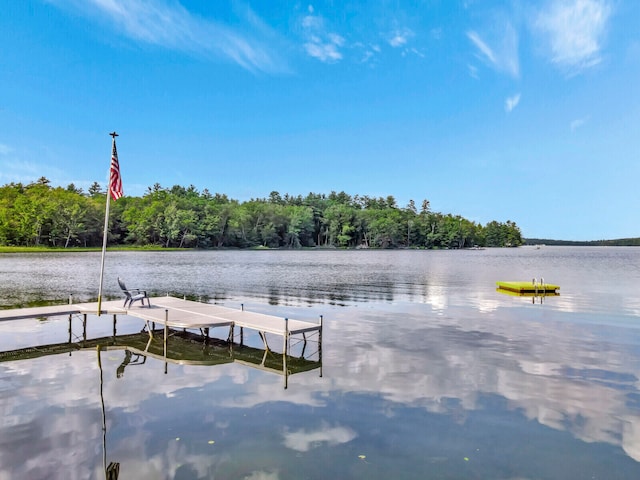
x=534, y=287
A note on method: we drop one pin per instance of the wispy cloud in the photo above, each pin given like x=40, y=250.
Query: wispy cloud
x=399, y=37
x=503, y=54
x=321, y=43
x=170, y=25
x=369, y=53
x=511, y=102
x=574, y=31
x=19, y=171
x=483, y=47
x=5, y=149
x=578, y=122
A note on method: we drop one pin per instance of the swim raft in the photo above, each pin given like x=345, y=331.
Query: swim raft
x=528, y=287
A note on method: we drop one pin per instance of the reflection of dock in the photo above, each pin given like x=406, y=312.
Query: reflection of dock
x=185, y=348
x=179, y=318
x=535, y=296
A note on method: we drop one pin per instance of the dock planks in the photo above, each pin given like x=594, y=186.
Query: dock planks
x=175, y=312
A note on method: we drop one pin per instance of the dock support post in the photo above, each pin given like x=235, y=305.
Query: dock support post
x=84, y=327
x=114, y=325
x=285, y=350
x=70, y=332
x=232, y=332
x=166, y=333
x=286, y=336
x=241, y=336
x=263, y=336
x=320, y=344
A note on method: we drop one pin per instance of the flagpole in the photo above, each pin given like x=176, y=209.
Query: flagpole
x=106, y=228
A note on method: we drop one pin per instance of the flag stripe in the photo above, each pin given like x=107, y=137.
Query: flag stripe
x=115, y=181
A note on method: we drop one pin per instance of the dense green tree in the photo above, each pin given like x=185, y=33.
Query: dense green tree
x=37, y=214
x=95, y=189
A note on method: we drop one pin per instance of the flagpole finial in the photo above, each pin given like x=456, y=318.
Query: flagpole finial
x=113, y=134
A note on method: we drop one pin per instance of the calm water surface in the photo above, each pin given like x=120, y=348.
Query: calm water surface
x=427, y=371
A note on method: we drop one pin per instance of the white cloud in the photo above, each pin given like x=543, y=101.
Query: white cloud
x=398, y=38
x=503, y=56
x=578, y=122
x=483, y=47
x=325, y=52
x=5, y=149
x=170, y=25
x=512, y=102
x=366, y=56
x=574, y=31
x=321, y=43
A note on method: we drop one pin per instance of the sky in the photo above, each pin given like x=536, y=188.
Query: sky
x=526, y=111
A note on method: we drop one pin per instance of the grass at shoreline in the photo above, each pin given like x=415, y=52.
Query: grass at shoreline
x=150, y=248
x=133, y=248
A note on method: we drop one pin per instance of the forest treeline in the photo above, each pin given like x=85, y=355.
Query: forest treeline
x=618, y=242
x=39, y=214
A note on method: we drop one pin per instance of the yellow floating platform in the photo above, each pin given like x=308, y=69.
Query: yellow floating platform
x=528, y=287
x=539, y=294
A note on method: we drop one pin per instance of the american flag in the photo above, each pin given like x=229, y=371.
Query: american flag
x=115, y=181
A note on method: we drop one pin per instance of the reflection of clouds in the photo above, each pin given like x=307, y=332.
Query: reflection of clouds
x=420, y=362
x=567, y=375
x=486, y=303
x=436, y=296
x=141, y=464
x=51, y=416
x=269, y=389
x=262, y=476
x=304, y=440
x=41, y=442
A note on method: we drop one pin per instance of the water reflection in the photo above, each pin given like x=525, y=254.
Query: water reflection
x=425, y=389
x=185, y=348
x=444, y=377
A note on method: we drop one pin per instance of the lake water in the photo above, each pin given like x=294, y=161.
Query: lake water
x=427, y=371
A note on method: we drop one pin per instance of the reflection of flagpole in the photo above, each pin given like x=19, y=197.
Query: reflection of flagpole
x=112, y=471
x=114, y=190
x=104, y=419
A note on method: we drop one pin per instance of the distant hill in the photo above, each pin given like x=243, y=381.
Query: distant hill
x=620, y=242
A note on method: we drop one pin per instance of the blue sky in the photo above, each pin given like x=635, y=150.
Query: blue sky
x=493, y=110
